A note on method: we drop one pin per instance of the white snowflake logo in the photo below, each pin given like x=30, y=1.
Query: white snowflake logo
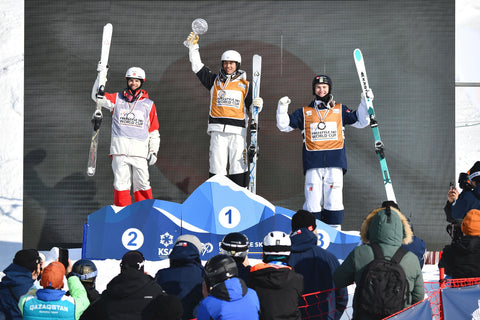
x=166, y=239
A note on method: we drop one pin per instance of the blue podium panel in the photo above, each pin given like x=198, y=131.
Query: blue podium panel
x=213, y=210
x=140, y=226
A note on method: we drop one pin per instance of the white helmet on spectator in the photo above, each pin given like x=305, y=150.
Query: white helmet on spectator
x=277, y=243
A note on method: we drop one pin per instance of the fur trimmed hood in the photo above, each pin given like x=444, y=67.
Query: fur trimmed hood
x=382, y=226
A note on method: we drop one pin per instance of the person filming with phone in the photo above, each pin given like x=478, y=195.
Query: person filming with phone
x=458, y=204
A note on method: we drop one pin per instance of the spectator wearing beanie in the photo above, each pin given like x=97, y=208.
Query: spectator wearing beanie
x=461, y=259
x=457, y=204
x=126, y=295
x=278, y=287
x=185, y=275
x=317, y=266
x=19, y=277
x=51, y=301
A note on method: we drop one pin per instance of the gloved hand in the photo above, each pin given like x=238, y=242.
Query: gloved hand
x=97, y=118
x=192, y=40
x=101, y=67
x=369, y=95
x=283, y=105
x=258, y=102
x=151, y=158
x=97, y=115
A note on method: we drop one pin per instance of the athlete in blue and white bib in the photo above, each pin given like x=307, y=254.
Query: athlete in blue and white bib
x=322, y=123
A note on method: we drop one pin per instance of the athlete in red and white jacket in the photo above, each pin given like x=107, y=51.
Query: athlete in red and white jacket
x=135, y=138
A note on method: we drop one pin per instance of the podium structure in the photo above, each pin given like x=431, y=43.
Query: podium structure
x=214, y=209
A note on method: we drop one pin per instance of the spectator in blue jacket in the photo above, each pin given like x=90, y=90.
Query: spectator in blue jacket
x=457, y=204
x=19, y=278
x=227, y=297
x=417, y=247
x=317, y=266
x=184, y=277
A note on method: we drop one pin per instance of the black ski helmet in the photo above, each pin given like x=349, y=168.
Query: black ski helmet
x=220, y=268
x=235, y=244
x=321, y=78
x=85, y=270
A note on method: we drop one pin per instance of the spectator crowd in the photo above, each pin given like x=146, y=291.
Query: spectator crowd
x=229, y=287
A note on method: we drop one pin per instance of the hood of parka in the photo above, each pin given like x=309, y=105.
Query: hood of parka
x=388, y=226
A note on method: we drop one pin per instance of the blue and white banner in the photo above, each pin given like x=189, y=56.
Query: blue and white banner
x=421, y=311
x=213, y=210
x=461, y=303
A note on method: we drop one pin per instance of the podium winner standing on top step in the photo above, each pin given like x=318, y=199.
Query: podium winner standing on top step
x=230, y=96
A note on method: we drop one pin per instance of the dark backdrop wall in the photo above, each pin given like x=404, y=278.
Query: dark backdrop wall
x=409, y=52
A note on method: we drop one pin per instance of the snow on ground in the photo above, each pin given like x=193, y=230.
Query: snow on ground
x=11, y=126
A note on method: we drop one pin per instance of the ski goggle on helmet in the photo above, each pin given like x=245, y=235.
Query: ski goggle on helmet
x=235, y=244
x=135, y=73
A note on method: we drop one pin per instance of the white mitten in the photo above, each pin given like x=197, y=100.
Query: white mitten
x=152, y=158
x=192, y=40
x=368, y=95
x=283, y=105
x=97, y=115
x=258, y=102
x=101, y=67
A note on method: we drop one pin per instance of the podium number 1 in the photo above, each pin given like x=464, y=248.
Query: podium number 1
x=229, y=217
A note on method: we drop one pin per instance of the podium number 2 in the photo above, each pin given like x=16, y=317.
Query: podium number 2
x=132, y=239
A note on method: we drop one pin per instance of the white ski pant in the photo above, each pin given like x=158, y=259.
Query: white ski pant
x=323, y=189
x=130, y=169
x=227, y=150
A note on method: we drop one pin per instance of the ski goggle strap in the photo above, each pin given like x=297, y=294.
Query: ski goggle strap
x=474, y=175
x=86, y=276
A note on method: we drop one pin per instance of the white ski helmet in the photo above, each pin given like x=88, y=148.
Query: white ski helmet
x=135, y=73
x=277, y=243
x=232, y=55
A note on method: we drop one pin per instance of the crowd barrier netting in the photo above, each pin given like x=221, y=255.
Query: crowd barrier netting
x=313, y=303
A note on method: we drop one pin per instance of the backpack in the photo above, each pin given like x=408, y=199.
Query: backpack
x=383, y=288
